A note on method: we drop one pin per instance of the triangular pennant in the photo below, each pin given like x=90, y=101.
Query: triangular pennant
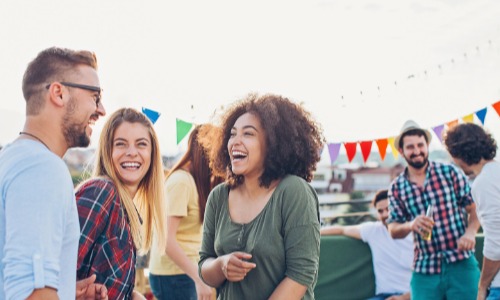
x=452, y=124
x=438, y=130
x=350, y=149
x=183, y=129
x=333, y=149
x=366, y=148
x=468, y=118
x=496, y=106
x=395, y=151
x=382, y=147
x=481, y=115
x=151, y=114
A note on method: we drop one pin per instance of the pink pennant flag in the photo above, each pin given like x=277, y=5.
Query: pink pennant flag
x=438, y=130
x=333, y=149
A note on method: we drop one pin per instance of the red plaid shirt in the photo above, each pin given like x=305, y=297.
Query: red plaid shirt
x=106, y=246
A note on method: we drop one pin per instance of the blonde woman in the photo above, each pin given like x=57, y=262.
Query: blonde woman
x=121, y=205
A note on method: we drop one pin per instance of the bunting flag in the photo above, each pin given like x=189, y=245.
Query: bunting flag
x=350, y=149
x=481, y=114
x=395, y=151
x=468, y=118
x=366, y=148
x=382, y=147
x=333, y=149
x=151, y=114
x=183, y=129
x=438, y=130
x=496, y=106
x=452, y=124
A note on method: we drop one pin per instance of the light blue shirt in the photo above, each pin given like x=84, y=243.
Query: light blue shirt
x=39, y=227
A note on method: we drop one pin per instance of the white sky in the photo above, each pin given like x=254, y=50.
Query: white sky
x=171, y=55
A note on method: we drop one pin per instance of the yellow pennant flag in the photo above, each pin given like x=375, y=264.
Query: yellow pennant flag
x=395, y=152
x=468, y=118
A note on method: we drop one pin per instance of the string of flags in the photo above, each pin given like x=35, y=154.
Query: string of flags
x=366, y=146
x=183, y=128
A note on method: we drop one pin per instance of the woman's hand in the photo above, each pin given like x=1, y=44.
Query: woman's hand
x=203, y=291
x=235, y=267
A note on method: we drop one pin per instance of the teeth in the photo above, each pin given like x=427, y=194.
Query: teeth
x=131, y=165
x=238, y=153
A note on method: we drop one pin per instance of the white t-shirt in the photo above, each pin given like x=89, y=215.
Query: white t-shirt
x=486, y=194
x=392, y=258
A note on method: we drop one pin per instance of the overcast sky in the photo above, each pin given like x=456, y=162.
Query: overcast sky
x=361, y=67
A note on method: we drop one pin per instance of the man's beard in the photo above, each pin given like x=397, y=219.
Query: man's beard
x=74, y=133
x=417, y=165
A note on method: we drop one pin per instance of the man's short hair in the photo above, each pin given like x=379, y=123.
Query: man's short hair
x=470, y=143
x=52, y=64
x=379, y=196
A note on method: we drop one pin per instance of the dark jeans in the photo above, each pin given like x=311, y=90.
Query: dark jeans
x=382, y=296
x=172, y=287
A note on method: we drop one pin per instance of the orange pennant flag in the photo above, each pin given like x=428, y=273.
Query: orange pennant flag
x=452, y=124
x=382, y=147
x=366, y=148
x=350, y=149
x=468, y=118
x=496, y=106
x=395, y=152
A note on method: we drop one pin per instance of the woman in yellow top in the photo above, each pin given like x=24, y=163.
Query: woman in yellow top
x=175, y=275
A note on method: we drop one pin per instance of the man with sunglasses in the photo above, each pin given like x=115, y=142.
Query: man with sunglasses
x=392, y=259
x=39, y=227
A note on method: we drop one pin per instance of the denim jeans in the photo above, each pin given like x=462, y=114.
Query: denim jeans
x=172, y=287
x=494, y=294
x=382, y=296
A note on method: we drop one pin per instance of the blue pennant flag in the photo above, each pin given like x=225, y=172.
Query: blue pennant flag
x=151, y=114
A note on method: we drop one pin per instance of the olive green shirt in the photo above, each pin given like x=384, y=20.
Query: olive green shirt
x=283, y=239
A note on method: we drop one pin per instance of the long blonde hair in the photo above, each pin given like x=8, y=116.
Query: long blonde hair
x=150, y=194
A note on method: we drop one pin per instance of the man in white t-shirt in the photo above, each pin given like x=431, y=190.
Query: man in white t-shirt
x=392, y=258
x=473, y=150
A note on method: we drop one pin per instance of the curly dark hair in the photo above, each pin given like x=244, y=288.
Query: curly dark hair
x=470, y=143
x=294, y=139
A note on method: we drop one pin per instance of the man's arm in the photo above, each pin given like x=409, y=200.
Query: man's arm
x=350, y=231
x=468, y=240
x=399, y=230
x=489, y=270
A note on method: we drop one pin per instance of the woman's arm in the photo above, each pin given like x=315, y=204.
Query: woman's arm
x=175, y=252
x=288, y=289
x=232, y=267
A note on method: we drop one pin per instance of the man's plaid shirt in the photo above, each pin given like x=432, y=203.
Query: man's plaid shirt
x=106, y=246
x=447, y=188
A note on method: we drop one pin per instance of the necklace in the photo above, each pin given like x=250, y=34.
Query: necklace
x=35, y=137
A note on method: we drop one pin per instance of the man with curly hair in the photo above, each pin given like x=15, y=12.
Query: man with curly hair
x=473, y=150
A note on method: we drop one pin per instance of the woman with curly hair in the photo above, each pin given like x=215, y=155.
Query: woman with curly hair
x=261, y=231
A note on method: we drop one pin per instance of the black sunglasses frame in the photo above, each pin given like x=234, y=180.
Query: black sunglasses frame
x=79, y=86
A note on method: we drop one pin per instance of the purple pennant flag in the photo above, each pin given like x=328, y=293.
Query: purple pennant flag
x=481, y=114
x=333, y=149
x=438, y=130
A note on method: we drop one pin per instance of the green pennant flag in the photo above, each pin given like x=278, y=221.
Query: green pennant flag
x=183, y=129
